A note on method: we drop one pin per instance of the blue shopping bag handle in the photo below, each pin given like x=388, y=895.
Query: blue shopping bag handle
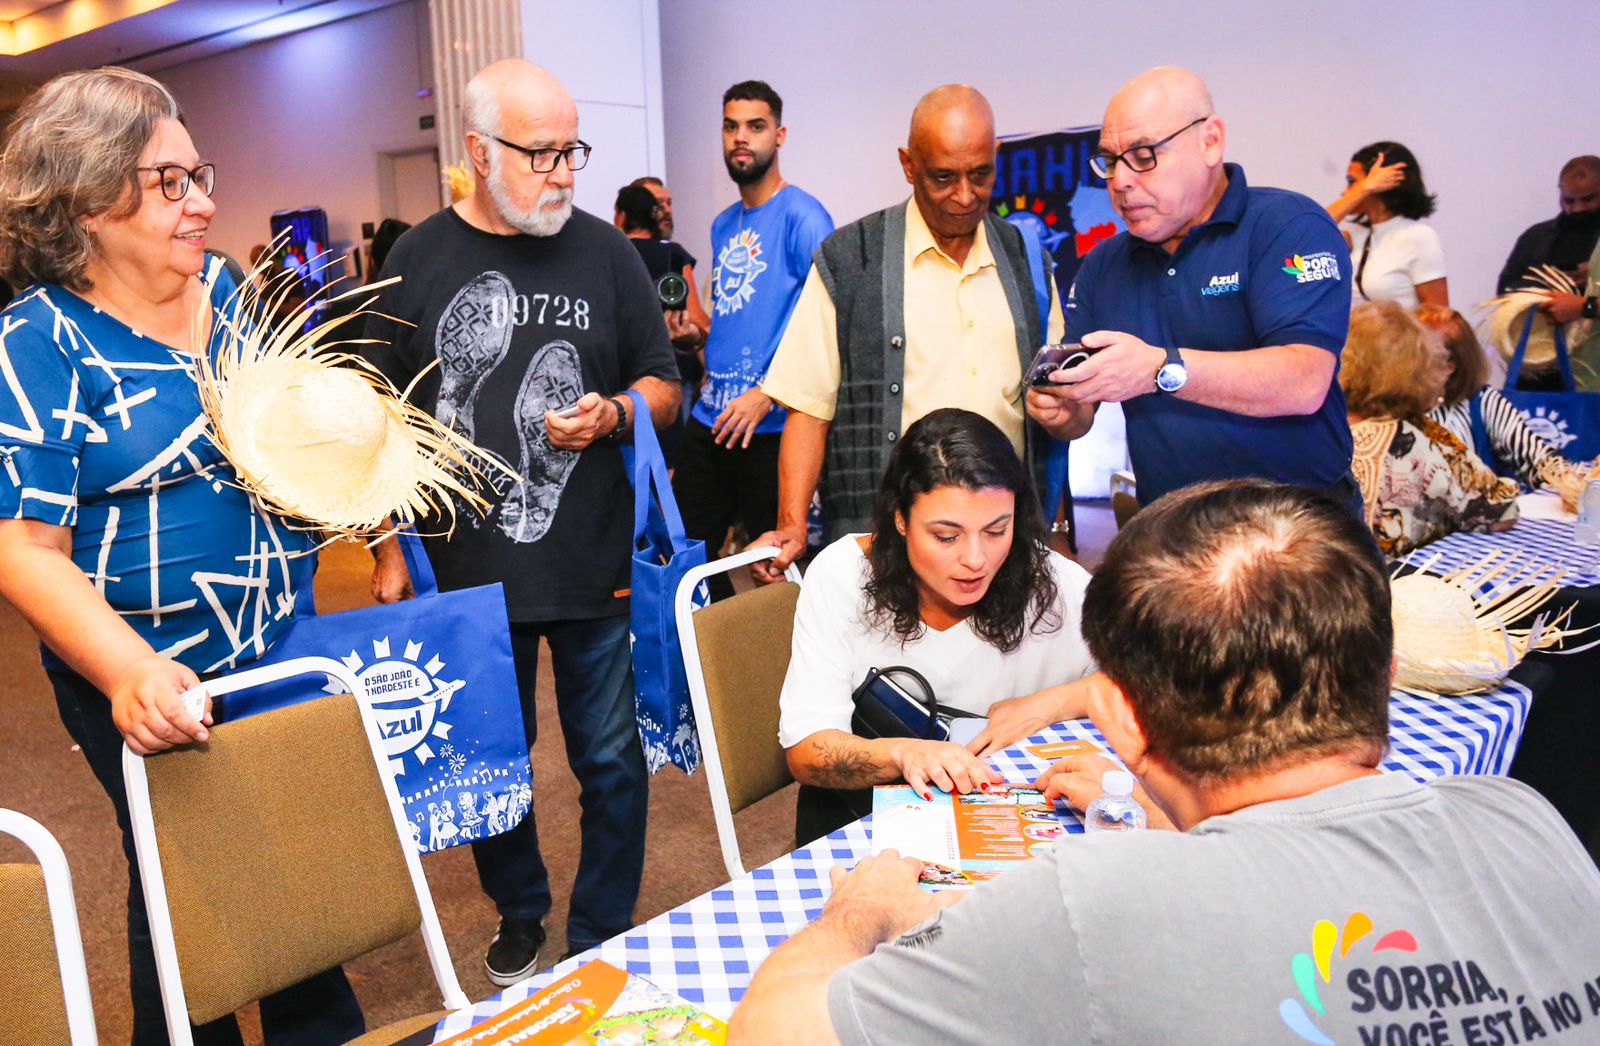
x=1514, y=371
x=650, y=470
x=423, y=583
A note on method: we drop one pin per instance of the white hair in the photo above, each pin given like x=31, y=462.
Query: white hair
x=481, y=109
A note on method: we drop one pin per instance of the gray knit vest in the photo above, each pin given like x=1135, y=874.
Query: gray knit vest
x=867, y=284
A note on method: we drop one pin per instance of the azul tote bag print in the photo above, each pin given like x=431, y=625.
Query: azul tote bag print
x=662, y=554
x=444, y=692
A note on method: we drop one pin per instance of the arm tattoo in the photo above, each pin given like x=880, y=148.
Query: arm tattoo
x=843, y=765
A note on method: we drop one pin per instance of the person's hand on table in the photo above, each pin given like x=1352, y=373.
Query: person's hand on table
x=1077, y=780
x=791, y=545
x=944, y=765
x=1013, y=719
x=881, y=894
x=741, y=418
x=147, y=705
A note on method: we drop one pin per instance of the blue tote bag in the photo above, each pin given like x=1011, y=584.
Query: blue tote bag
x=1569, y=421
x=662, y=554
x=444, y=692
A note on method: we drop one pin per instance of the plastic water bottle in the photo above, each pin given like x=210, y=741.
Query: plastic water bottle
x=1587, y=531
x=1116, y=810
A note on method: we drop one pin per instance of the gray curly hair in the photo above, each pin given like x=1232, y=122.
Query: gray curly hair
x=71, y=152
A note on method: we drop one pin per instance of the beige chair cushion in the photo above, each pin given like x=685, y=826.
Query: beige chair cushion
x=279, y=852
x=392, y=1033
x=30, y=978
x=744, y=653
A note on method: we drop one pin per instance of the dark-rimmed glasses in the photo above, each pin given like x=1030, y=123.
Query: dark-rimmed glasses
x=1140, y=158
x=544, y=161
x=175, y=180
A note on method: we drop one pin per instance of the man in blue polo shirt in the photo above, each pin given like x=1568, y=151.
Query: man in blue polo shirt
x=1218, y=316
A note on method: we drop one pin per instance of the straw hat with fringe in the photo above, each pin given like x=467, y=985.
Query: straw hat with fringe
x=316, y=433
x=1451, y=634
x=1507, y=314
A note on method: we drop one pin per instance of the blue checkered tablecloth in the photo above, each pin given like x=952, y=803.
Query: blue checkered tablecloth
x=1544, y=541
x=707, y=950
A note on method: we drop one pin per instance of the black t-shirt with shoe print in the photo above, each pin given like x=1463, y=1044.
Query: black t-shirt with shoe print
x=521, y=324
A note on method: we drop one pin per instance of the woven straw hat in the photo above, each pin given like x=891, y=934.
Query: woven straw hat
x=317, y=434
x=1450, y=632
x=1508, y=314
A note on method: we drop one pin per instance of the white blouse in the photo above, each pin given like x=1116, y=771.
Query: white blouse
x=1404, y=253
x=835, y=644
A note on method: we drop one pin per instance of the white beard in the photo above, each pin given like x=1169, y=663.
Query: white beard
x=548, y=216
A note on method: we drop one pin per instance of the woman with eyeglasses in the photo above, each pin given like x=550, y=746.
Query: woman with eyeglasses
x=124, y=538
x=1394, y=256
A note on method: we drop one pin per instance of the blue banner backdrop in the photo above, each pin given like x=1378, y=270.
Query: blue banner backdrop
x=1044, y=181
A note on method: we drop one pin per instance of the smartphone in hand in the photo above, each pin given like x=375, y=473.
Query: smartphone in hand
x=1052, y=358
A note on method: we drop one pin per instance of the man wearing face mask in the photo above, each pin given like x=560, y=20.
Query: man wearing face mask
x=922, y=305
x=540, y=317
x=1217, y=318
x=1565, y=241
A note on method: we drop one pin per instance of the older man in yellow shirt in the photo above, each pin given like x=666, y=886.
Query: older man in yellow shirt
x=922, y=305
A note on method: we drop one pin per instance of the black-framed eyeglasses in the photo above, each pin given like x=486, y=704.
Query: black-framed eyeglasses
x=175, y=180
x=544, y=160
x=1140, y=158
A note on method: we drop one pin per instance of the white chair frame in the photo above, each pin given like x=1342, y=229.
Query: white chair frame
x=64, y=919
x=684, y=609
x=155, y=889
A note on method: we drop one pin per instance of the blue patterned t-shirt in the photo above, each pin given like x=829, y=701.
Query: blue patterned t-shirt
x=101, y=430
x=760, y=258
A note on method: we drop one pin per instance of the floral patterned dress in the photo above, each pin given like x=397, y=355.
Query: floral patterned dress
x=1419, y=483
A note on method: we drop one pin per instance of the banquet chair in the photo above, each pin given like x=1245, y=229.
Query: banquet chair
x=43, y=978
x=735, y=694
x=1124, y=496
x=277, y=850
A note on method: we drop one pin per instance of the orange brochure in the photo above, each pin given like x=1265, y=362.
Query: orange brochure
x=598, y=1004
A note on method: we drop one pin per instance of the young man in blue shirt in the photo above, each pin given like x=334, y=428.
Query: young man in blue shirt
x=761, y=250
x=1218, y=315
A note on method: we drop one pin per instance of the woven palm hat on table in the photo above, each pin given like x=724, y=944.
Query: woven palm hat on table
x=1452, y=633
x=319, y=435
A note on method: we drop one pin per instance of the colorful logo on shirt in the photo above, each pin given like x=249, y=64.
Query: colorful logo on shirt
x=1309, y=268
x=1228, y=284
x=738, y=265
x=1308, y=968
x=1549, y=426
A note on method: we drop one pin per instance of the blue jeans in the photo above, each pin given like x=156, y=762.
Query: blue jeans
x=319, y=1010
x=593, y=669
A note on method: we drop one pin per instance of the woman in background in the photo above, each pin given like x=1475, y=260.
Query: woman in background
x=1418, y=481
x=1393, y=255
x=1507, y=443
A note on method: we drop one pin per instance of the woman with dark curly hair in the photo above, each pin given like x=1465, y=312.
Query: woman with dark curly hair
x=1393, y=255
x=955, y=581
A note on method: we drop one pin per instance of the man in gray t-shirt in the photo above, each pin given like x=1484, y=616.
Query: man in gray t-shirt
x=1304, y=898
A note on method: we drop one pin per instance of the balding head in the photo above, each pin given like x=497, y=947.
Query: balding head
x=1167, y=110
x=1166, y=92
x=1248, y=624
x=949, y=160
x=521, y=103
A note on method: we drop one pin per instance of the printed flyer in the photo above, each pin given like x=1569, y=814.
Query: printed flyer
x=600, y=1005
x=967, y=839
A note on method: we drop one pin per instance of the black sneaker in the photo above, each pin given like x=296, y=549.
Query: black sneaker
x=514, y=951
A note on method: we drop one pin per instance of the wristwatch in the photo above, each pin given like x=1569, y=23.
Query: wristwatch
x=1173, y=375
x=1589, y=309
x=616, y=434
